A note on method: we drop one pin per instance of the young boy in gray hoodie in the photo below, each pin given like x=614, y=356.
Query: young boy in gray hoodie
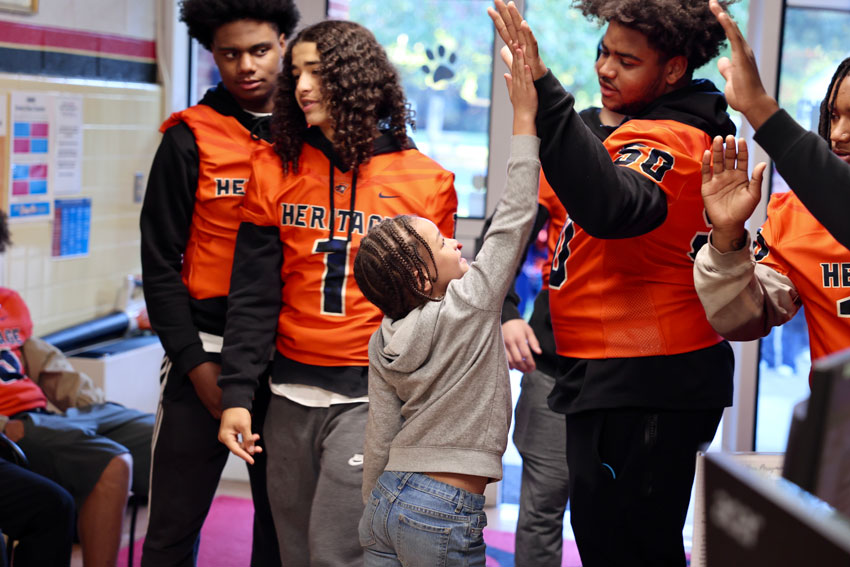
x=439, y=391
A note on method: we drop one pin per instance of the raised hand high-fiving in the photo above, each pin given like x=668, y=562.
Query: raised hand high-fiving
x=516, y=32
x=523, y=94
x=729, y=196
x=744, y=90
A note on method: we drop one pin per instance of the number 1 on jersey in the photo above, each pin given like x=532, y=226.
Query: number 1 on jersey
x=336, y=270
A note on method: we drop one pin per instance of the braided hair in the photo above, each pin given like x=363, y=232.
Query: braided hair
x=395, y=267
x=828, y=103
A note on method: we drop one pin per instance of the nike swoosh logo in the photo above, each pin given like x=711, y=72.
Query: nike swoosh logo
x=382, y=196
x=356, y=460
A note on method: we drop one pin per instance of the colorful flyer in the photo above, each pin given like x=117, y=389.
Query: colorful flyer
x=71, y=227
x=30, y=156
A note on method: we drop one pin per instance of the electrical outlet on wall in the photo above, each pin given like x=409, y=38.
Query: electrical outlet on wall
x=138, y=187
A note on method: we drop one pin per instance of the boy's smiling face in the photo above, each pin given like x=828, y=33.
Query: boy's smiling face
x=450, y=265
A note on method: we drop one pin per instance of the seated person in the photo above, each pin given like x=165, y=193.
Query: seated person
x=90, y=447
x=38, y=514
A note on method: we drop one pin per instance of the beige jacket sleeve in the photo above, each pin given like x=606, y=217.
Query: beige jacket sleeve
x=743, y=299
x=64, y=387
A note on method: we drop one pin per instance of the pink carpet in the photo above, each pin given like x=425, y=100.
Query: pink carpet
x=500, y=550
x=226, y=539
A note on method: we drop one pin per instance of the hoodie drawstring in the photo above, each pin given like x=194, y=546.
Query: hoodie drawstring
x=351, y=205
x=353, y=198
x=331, y=199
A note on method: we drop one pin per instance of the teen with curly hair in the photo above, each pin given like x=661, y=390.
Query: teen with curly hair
x=642, y=377
x=796, y=263
x=380, y=104
x=341, y=163
x=189, y=222
x=439, y=391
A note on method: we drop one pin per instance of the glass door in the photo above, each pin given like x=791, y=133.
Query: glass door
x=814, y=42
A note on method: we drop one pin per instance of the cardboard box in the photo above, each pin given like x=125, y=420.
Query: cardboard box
x=127, y=370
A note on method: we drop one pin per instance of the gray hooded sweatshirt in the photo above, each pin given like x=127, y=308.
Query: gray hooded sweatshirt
x=439, y=391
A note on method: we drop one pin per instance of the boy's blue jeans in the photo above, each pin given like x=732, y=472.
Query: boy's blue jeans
x=412, y=520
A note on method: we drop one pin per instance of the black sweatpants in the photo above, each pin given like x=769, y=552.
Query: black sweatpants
x=187, y=463
x=38, y=514
x=631, y=474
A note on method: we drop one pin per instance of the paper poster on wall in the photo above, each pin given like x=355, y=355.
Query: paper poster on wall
x=29, y=148
x=71, y=227
x=67, y=144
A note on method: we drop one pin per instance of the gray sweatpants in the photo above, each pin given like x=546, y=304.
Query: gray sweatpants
x=314, y=474
x=540, y=436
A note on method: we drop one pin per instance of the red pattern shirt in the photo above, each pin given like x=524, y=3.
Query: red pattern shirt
x=17, y=392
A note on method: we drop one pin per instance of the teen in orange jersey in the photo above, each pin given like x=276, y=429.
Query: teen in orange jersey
x=189, y=222
x=342, y=162
x=642, y=377
x=819, y=177
x=796, y=261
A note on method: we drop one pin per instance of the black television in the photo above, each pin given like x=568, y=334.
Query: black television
x=817, y=457
x=757, y=521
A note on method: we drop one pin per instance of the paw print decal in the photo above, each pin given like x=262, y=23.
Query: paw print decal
x=439, y=67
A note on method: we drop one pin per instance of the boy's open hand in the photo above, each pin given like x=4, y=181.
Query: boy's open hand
x=730, y=197
x=523, y=95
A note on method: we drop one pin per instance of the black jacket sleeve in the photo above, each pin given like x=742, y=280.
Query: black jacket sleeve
x=806, y=162
x=165, y=221
x=253, y=307
x=606, y=200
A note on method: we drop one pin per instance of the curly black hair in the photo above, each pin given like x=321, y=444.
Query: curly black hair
x=360, y=88
x=826, y=106
x=204, y=17
x=5, y=236
x=393, y=267
x=674, y=27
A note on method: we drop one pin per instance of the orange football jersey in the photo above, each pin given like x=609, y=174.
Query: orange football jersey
x=224, y=154
x=635, y=297
x=557, y=219
x=795, y=244
x=324, y=319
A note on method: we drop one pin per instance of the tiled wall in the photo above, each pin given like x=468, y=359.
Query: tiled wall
x=132, y=18
x=120, y=136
